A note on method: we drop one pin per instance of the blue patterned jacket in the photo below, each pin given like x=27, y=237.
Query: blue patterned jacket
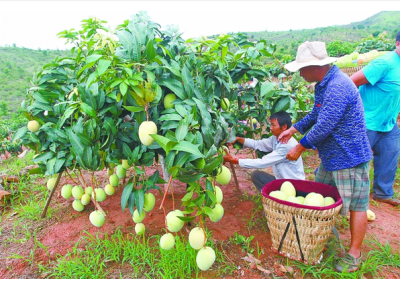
x=337, y=123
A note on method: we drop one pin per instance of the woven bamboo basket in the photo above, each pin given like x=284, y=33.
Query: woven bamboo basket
x=351, y=70
x=299, y=232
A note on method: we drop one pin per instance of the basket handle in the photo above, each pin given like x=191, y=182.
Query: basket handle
x=297, y=237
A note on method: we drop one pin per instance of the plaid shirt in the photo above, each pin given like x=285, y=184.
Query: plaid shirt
x=337, y=123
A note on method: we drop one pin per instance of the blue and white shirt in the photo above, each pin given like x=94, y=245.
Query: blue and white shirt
x=282, y=167
x=337, y=123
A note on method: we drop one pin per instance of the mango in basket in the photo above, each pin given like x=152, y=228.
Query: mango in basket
x=278, y=194
x=301, y=199
x=293, y=200
x=288, y=188
x=320, y=199
x=311, y=194
x=328, y=201
x=312, y=201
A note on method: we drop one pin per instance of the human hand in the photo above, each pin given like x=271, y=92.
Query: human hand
x=285, y=136
x=295, y=152
x=238, y=139
x=229, y=158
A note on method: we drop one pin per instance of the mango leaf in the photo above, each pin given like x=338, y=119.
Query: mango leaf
x=58, y=165
x=134, y=108
x=131, y=203
x=20, y=133
x=39, y=97
x=187, y=196
x=161, y=140
x=182, y=130
x=85, y=139
x=175, y=86
x=186, y=219
x=88, y=110
x=126, y=40
x=170, y=117
x=76, y=143
x=50, y=166
x=282, y=104
x=139, y=200
x=188, y=147
x=266, y=89
x=126, y=150
x=137, y=32
x=213, y=164
x=205, y=115
x=188, y=81
x=150, y=51
x=92, y=58
x=181, y=158
x=43, y=157
x=103, y=66
x=125, y=195
x=123, y=88
x=190, y=178
x=115, y=83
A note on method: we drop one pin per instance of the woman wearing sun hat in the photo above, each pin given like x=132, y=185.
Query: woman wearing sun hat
x=337, y=129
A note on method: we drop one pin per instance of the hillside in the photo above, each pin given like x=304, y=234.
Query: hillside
x=16, y=68
x=288, y=41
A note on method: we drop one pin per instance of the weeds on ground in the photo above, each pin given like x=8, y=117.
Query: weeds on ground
x=380, y=256
x=31, y=258
x=29, y=196
x=242, y=241
x=342, y=222
x=92, y=256
x=257, y=220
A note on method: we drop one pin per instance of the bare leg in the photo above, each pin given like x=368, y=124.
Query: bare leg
x=358, y=228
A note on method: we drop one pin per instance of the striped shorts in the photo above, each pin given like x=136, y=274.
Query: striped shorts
x=352, y=184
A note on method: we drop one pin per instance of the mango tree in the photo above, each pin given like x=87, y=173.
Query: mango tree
x=105, y=107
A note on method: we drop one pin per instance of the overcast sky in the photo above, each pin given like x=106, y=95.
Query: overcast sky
x=35, y=24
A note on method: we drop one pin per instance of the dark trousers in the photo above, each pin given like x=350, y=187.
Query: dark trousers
x=260, y=179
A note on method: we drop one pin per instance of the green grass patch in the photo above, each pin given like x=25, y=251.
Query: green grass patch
x=94, y=257
x=379, y=257
x=29, y=196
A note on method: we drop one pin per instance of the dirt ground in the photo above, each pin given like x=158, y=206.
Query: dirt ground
x=60, y=233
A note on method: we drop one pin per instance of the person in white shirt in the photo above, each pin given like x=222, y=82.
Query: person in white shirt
x=282, y=167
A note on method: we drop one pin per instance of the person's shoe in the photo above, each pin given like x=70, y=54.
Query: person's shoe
x=348, y=263
x=392, y=201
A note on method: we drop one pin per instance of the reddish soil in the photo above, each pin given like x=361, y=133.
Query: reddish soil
x=60, y=233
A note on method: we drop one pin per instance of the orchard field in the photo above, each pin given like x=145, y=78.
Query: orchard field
x=122, y=173
x=66, y=245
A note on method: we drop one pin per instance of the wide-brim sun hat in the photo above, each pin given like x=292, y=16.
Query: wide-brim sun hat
x=310, y=53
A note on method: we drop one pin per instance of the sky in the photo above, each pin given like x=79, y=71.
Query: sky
x=35, y=24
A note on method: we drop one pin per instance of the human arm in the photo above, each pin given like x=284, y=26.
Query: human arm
x=295, y=152
x=260, y=145
x=359, y=78
x=371, y=73
x=275, y=157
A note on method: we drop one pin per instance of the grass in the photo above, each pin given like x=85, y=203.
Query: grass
x=95, y=257
x=379, y=257
x=29, y=196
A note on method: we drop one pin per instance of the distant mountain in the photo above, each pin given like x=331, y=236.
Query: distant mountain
x=17, y=66
x=288, y=41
